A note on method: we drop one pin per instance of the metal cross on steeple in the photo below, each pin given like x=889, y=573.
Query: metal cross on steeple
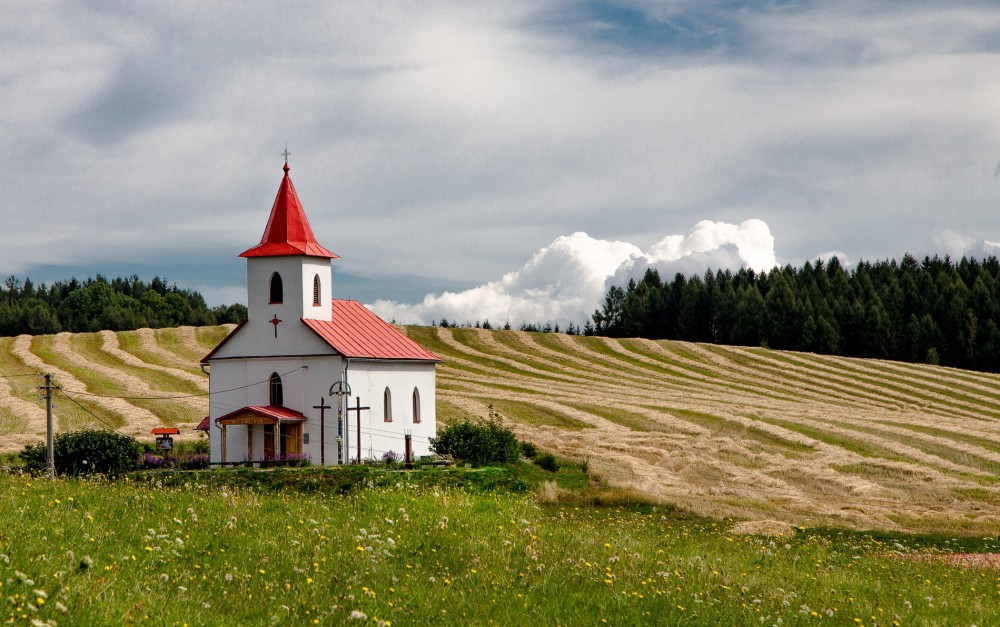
x=286, y=154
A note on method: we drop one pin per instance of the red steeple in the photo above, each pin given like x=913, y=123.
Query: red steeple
x=288, y=231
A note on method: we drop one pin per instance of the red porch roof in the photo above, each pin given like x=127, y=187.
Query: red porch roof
x=288, y=231
x=275, y=412
x=358, y=333
x=203, y=425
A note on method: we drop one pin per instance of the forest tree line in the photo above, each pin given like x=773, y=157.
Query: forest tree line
x=931, y=311
x=96, y=304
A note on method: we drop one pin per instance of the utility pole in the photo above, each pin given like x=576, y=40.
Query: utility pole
x=50, y=455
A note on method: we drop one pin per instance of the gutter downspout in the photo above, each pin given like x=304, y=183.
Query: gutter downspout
x=346, y=445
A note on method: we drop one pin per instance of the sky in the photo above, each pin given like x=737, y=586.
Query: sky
x=495, y=160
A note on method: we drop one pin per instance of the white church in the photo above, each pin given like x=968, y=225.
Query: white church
x=309, y=376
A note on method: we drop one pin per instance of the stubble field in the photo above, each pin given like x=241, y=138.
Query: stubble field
x=735, y=432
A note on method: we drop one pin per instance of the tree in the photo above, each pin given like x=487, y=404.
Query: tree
x=750, y=319
x=609, y=320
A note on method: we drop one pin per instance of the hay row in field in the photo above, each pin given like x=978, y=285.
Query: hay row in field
x=745, y=432
x=132, y=381
x=726, y=431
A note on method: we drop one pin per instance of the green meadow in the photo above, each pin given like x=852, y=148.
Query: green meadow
x=329, y=546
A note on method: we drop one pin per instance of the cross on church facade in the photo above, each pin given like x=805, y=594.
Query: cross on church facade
x=275, y=321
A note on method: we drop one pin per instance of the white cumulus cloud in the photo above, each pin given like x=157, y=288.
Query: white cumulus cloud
x=566, y=280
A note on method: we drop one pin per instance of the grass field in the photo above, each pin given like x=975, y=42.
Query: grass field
x=722, y=431
x=204, y=548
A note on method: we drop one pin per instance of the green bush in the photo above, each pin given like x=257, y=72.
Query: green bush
x=547, y=461
x=86, y=451
x=33, y=457
x=529, y=450
x=480, y=443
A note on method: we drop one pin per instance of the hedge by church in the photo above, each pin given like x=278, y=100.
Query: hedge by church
x=481, y=443
x=86, y=451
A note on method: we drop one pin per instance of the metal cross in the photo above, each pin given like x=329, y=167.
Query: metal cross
x=275, y=322
x=286, y=154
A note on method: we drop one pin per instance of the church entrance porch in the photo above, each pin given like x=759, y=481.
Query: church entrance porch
x=273, y=435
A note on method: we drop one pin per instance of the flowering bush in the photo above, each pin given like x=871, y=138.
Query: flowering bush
x=193, y=461
x=295, y=459
x=391, y=458
x=184, y=461
x=155, y=462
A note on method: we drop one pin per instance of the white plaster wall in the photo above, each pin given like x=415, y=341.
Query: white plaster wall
x=256, y=338
x=240, y=383
x=368, y=381
x=297, y=274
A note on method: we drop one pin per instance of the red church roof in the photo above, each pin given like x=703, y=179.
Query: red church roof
x=288, y=231
x=357, y=333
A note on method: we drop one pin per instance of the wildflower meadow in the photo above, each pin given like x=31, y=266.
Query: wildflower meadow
x=201, y=551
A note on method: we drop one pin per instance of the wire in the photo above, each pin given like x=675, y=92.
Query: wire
x=165, y=398
x=96, y=417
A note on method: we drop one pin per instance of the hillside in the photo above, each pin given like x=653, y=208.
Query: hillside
x=724, y=431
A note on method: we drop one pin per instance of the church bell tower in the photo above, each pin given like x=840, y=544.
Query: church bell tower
x=288, y=273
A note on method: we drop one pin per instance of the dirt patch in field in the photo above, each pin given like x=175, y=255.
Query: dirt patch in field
x=764, y=528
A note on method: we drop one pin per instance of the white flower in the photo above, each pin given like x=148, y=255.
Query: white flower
x=356, y=615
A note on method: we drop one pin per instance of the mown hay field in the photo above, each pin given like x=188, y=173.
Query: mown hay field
x=747, y=433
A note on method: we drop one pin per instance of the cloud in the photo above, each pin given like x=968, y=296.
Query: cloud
x=451, y=142
x=957, y=245
x=566, y=280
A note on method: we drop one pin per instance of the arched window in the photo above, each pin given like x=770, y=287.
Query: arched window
x=387, y=405
x=275, y=396
x=316, y=294
x=416, y=405
x=277, y=295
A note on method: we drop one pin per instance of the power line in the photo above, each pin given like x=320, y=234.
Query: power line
x=96, y=417
x=166, y=398
x=15, y=376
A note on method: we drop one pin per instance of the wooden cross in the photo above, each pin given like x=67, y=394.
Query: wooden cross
x=275, y=322
x=322, y=407
x=358, y=408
